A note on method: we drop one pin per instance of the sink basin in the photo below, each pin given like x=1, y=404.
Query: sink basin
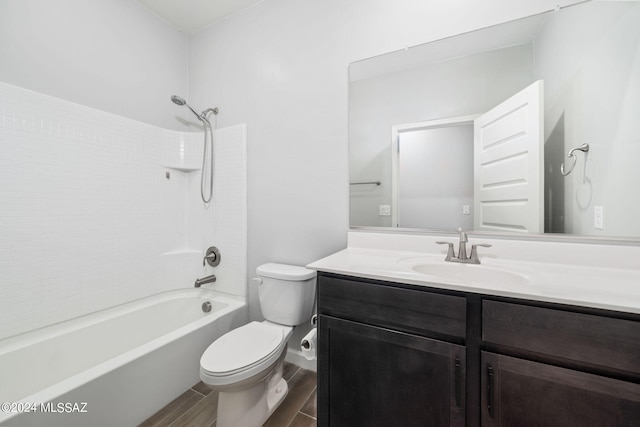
x=471, y=273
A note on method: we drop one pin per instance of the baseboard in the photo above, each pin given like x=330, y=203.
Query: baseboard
x=296, y=357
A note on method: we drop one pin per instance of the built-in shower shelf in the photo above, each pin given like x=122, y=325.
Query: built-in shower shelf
x=183, y=168
x=183, y=252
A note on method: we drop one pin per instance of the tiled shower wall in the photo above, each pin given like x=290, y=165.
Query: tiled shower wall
x=97, y=209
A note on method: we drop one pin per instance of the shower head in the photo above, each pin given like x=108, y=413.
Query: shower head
x=179, y=101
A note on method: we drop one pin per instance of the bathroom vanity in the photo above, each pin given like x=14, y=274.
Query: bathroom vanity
x=400, y=348
x=546, y=331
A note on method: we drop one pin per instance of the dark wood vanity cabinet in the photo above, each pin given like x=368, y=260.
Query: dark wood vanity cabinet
x=380, y=377
x=571, y=369
x=401, y=355
x=389, y=356
x=519, y=392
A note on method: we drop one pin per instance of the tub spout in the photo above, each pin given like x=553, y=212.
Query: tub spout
x=205, y=280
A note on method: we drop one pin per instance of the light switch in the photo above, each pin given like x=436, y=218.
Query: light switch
x=385, y=210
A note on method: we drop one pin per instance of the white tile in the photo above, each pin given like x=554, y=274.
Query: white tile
x=87, y=213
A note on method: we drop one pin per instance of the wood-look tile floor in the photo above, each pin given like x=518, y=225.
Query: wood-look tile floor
x=197, y=406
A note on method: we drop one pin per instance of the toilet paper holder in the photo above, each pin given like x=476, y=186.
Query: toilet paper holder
x=306, y=344
x=309, y=344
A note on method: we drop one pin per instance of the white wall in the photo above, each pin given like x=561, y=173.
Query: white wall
x=281, y=67
x=593, y=97
x=113, y=55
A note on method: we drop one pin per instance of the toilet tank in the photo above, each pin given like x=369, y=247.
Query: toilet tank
x=287, y=293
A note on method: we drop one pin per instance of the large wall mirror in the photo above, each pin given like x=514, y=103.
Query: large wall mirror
x=528, y=127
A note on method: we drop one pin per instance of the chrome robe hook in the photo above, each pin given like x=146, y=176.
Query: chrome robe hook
x=584, y=148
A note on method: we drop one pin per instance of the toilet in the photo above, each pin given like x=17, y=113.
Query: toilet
x=245, y=364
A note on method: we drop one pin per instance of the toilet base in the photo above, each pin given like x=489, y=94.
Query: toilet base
x=276, y=395
x=252, y=406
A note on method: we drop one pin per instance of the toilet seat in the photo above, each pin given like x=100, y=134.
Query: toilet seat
x=242, y=353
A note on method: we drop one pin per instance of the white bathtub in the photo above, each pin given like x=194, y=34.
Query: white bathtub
x=115, y=367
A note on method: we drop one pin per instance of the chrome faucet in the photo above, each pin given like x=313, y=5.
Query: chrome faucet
x=462, y=250
x=205, y=280
x=462, y=246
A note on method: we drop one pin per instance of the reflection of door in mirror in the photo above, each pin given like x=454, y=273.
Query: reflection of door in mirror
x=433, y=174
x=509, y=180
x=473, y=172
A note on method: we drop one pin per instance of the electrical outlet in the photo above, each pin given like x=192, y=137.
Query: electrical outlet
x=466, y=210
x=598, y=217
x=385, y=210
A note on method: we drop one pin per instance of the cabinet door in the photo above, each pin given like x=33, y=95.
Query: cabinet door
x=518, y=392
x=371, y=376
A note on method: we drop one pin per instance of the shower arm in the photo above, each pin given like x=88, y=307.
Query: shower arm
x=208, y=111
x=203, y=116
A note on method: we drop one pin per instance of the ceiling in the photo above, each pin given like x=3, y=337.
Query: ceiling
x=190, y=16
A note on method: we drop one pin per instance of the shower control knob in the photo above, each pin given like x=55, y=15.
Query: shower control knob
x=212, y=257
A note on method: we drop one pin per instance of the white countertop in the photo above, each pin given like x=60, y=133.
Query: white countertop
x=601, y=287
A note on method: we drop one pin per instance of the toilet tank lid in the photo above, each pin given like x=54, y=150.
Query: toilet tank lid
x=285, y=271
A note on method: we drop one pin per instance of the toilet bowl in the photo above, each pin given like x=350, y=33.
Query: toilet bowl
x=244, y=355
x=245, y=365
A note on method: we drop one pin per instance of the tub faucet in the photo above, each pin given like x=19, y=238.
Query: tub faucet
x=462, y=250
x=205, y=280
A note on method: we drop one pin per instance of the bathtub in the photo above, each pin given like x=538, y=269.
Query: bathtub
x=114, y=367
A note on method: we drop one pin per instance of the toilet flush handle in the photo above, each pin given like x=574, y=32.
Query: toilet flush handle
x=257, y=280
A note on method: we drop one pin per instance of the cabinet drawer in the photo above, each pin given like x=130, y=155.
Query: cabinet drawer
x=388, y=306
x=592, y=339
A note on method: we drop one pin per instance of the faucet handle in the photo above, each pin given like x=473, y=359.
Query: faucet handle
x=450, y=253
x=212, y=257
x=474, y=252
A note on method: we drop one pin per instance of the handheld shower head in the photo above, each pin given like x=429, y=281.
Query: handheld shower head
x=208, y=137
x=179, y=101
